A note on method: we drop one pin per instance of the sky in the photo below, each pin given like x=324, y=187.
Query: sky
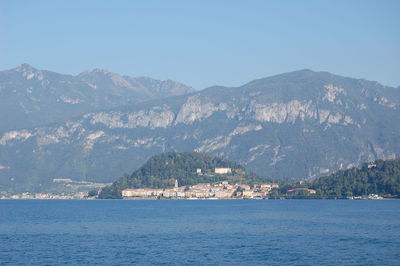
x=204, y=43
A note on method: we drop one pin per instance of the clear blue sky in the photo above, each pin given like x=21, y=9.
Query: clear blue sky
x=204, y=43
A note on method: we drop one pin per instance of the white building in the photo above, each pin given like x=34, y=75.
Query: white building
x=142, y=192
x=222, y=170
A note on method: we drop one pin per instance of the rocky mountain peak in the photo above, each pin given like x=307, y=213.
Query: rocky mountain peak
x=30, y=96
x=25, y=68
x=97, y=73
x=29, y=72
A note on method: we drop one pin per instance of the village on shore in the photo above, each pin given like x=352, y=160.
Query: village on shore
x=221, y=190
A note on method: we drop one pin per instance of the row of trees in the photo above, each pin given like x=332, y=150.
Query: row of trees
x=381, y=177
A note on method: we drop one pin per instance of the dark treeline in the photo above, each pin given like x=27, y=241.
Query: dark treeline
x=381, y=177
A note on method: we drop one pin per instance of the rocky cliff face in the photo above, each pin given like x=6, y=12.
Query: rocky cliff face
x=296, y=125
x=30, y=97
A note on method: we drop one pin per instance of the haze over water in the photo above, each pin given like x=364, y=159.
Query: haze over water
x=264, y=232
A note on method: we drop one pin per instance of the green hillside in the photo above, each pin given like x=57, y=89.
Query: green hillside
x=161, y=171
x=381, y=177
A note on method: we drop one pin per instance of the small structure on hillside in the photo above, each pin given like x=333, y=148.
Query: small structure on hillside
x=222, y=170
x=297, y=191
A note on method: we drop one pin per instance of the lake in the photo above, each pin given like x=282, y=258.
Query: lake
x=199, y=232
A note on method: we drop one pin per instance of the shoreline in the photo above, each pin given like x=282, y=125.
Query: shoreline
x=202, y=199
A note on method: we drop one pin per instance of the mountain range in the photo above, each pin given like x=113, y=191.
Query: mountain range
x=30, y=97
x=299, y=125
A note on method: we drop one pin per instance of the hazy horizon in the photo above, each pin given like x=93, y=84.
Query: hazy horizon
x=198, y=89
x=204, y=43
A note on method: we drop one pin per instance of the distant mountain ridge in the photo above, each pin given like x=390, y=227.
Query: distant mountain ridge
x=30, y=97
x=301, y=124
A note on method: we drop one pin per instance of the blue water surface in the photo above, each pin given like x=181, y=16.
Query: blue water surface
x=219, y=232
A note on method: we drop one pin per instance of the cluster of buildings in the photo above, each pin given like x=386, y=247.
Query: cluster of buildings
x=27, y=195
x=222, y=190
x=368, y=197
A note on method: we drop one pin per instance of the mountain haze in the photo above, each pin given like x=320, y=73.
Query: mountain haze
x=301, y=125
x=31, y=97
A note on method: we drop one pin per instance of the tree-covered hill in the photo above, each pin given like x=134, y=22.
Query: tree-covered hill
x=381, y=177
x=161, y=171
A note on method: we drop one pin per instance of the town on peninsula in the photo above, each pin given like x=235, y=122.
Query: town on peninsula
x=221, y=190
x=192, y=175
